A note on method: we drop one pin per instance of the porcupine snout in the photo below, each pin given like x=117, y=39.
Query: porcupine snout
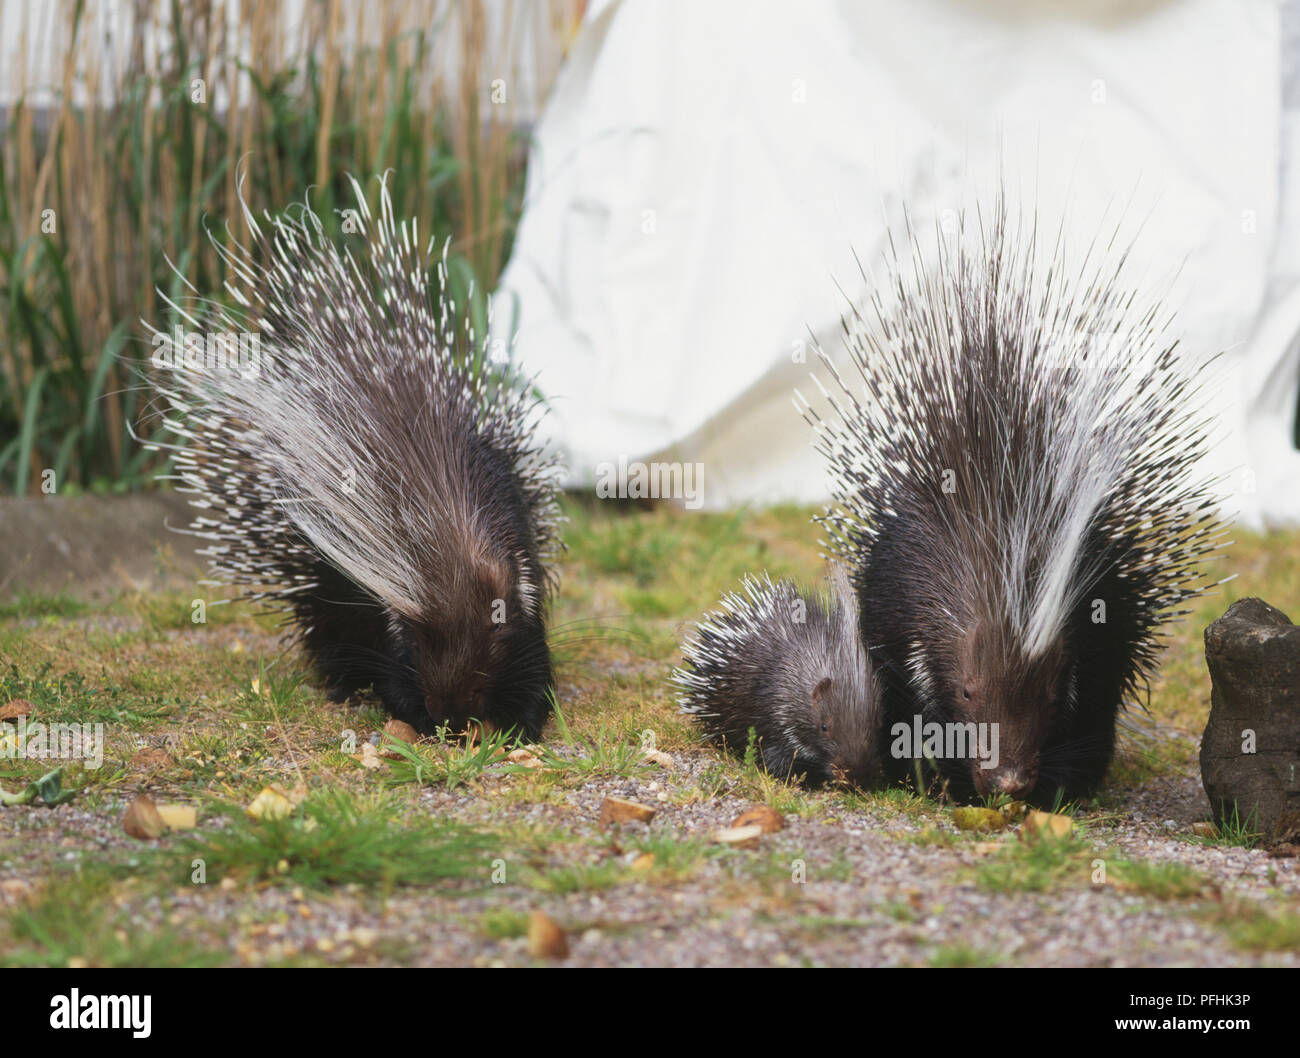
x=854, y=745
x=864, y=771
x=1005, y=756
x=1014, y=781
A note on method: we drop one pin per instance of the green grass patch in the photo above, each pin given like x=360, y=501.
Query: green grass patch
x=73, y=697
x=579, y=878
x=931, y=837
x=781, y=793
x=820, y=925
x=1142, y=755
x=712, y=782
x=446, y=760
x=962, y=955
x=227, y=755
x=76, y=922
x=675, y=860
x=1257, y=929
x=1161, y=881
x=273, y=696
x=503, y=923
x=1232, y=831
x=900, y=911
x=893, y=798
x=334, y=838
x=607, y=752
x=26, y=606
x=1036, y=866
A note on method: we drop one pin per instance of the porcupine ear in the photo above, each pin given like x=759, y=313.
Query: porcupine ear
x=491, y=578
x=819, y=693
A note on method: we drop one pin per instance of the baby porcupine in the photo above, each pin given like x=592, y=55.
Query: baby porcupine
x=789, y=665
x=372, y=473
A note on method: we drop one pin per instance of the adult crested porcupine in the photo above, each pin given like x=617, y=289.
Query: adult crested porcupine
x=1013, y=489
x=789, y=665
x=373, y=473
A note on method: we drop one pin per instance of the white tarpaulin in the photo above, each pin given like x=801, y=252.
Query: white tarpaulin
x=705, y=172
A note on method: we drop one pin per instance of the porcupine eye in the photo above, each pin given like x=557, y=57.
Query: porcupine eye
x=972, y=696
x=818, y=695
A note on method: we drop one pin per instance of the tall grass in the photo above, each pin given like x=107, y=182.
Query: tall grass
x=117, y=168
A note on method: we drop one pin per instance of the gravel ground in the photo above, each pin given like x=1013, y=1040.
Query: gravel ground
x=870, y=894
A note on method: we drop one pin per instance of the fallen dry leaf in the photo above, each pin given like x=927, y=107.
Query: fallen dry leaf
x=658, y=756
x=971, y=818
x=643, y=862
x=1205, y=830
x=15, y=891
x=152, y=758
x=546, y=940
x=1038, y=823
x=616, y=810
x=18, y=707
x=739, y=837
x=364, y=936
x=142, y=820
x=271, y=803
x=369, y=756
x=760, y=815
x=524, y=758
x=400, y=729
x=178, y=817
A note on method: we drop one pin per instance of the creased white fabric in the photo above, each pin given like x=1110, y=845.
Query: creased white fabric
x=705, y=173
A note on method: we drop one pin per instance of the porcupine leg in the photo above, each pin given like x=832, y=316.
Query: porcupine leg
x=1107, y=640
x=346, y=637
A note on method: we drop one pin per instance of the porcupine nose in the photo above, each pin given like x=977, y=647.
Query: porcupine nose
x=1014, y=782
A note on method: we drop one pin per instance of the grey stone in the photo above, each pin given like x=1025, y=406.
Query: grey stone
x=1253, y=654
